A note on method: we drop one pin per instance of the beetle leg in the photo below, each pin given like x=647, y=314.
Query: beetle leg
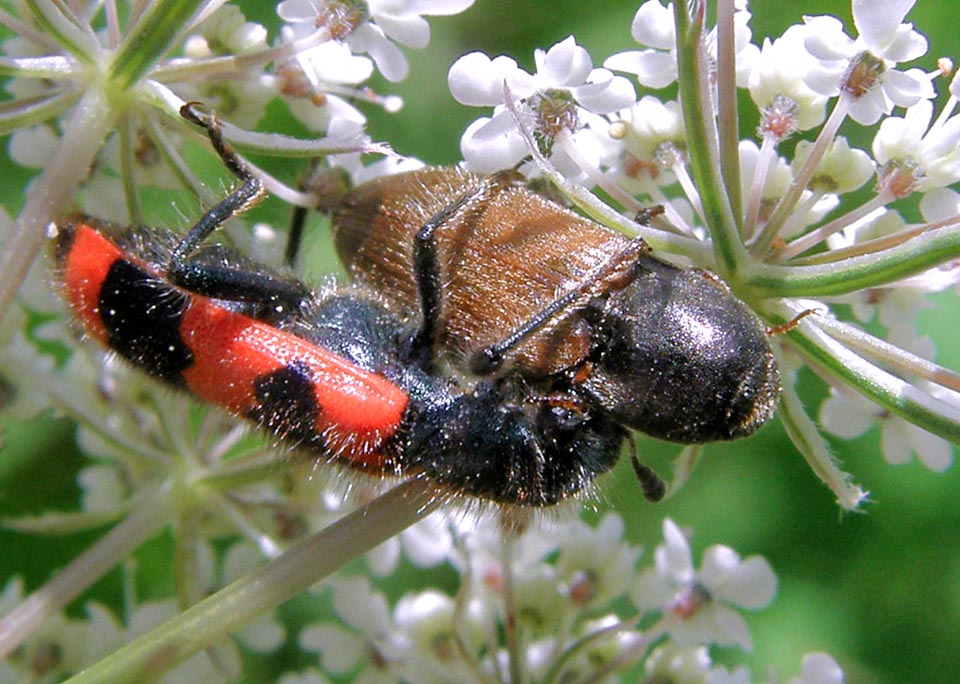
x=222, y=280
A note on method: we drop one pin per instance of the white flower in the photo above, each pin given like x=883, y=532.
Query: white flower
x=373, y=31
x=557, y=100
x=654, y=127
x=401, y=20
x=694, y=604
x=657, y=67
x=426, y=544
x=225, y=32
x=596, y=563
x=242, y=99
x=779, y=71
x=842, y=169
x=848, y=415
x=862, y=70
x=481, y=553
x=434, y=631
x=366, y=644
x=679, y=665
x=319, y=82
x=931, y=152
x=819, y=668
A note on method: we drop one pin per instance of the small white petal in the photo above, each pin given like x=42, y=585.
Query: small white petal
x=477, y=81
x=939, y=204
x=361, y=606
x=906, y=88
x=651, y=591
x=33, y=147
x=606, y=96
x=877, y=21
x=826, y=40
x=820, y=668
x=652, y=68
x=753, y=585
x=653, y=25
x=907, y=46
x=262, y=634
x=441, y=7
x=340, y=651
x=673, y=558
x=846, y=416
x=406, y=29
x=564, y=64
x=895, y=443
x=389, y=59
x=730, y=628
x=297, y=11
x=489, y=145
x=383, y=560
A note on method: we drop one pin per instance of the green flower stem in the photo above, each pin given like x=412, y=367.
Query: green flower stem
x=127, y=136
x=580, y=645
x=53, y=191
x=302, y=566
x=807, y=438
x=698, y=121
x=858, y=273
x=26, y=112
x=232, y=474
x=197, y=70
x=157, y=31
x=888, y=353
x=70, y=34
x=149, y=515
x=727, y=115
x=41, y=40
x=54, y=67
x=788, y=203
x=877, y=385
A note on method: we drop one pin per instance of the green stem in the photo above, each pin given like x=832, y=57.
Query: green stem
x=54, y=67
x=53, y=191
x=157, y=31
x=880, y=387
x=30, y=111
x=702, y=143
x=806, y=437
x=877, y=269
x=728, y=120
x=151, y=513
x=69, y=32
x=302, y=566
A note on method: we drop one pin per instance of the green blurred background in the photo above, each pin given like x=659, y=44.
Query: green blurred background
x=879, y=590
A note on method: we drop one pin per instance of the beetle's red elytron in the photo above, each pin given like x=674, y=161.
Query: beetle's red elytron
x=338, y=373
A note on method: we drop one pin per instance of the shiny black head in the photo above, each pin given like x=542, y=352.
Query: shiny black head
x=683, y=359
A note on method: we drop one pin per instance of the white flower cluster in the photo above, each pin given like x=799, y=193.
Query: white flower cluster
x=788, y=235
x=575, y=599
x=96, y=99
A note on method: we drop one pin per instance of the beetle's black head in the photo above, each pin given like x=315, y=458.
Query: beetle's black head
x=684, y=360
